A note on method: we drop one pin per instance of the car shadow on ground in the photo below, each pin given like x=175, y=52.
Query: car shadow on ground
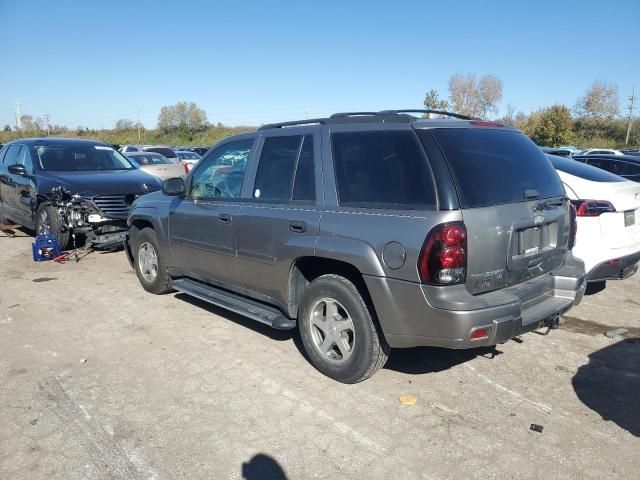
x=266, y=330
x=423, y=360
x=610, y=384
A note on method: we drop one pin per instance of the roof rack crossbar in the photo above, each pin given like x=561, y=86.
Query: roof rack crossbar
x=436, y=112
x=292, y=123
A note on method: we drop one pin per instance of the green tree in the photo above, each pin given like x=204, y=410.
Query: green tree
x=7, y=128
x=184, y=116
x=432, y=101
x=554, y=127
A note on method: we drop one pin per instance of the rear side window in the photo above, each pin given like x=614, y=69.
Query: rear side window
x=285, y=170
x=382, y=169
x=495, y=167
x=581, y=170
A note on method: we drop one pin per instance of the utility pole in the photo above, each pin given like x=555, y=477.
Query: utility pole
x=632, y=100
x=18, y=122
x=46, y=117
x=139, y=138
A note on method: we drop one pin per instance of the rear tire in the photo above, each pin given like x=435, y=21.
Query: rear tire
x=148, y=263
x=338, y=331
x=48, y=220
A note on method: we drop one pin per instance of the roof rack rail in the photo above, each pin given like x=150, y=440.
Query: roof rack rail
x=437, y=112
x=352, y=114
x=292, y=123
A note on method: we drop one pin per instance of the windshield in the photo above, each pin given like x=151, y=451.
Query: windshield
x=151, y=159
x=581, y=170
x=72, y=158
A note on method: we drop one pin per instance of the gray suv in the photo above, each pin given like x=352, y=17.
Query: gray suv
x=368, y=231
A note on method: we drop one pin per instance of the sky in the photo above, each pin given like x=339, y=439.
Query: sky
x=93, y=62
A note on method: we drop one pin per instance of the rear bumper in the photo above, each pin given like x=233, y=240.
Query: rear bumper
x=615, y=269
x=409, y=318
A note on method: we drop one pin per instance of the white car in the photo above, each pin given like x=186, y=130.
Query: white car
x=601, y=151
x=608, y=219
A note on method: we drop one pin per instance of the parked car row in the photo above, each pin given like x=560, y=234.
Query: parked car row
x=365, y=232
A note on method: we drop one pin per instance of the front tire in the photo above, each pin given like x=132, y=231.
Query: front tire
x=338, y=331
x=148, y=262
x=48, y=221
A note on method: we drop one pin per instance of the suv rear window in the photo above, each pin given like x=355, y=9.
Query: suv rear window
x=495, y=167
x=382, y=169
x=581, y=170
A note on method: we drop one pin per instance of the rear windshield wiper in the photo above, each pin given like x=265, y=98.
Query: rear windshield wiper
x=549, y=203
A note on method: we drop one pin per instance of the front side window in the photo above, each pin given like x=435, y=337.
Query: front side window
x=24, y=159
x=382, y=169
x=75, y=158
x=221, y=173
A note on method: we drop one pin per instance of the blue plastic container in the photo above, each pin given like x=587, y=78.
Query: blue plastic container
x=46, y=247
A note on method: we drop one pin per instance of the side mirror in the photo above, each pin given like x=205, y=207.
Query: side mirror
x=174, y=187
x=17, y=169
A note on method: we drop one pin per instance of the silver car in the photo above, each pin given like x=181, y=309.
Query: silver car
x=157, y=165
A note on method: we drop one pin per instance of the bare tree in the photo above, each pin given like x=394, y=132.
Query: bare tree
x=600, y=102
x=124, y=124
x=470, y=96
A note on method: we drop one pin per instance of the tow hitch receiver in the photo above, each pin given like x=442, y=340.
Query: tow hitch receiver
x=552, y=323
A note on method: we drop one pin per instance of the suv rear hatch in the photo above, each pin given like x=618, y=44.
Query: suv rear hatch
x=512, y=201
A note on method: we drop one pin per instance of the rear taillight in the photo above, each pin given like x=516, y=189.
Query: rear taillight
x=592, y=208
x=443, y=259
x=186, y=167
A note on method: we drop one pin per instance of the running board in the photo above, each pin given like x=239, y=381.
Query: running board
x=249, y=308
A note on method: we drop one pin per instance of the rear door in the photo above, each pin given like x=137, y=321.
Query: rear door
x=280, y=218
x=513, y=204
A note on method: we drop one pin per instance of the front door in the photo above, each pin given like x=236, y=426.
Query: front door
x=203, y=224
x=18, y=191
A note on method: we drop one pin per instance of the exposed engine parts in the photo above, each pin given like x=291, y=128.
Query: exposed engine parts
x=80, y=216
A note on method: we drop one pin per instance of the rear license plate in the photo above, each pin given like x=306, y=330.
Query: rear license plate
x=530, y=240
x=629, y=218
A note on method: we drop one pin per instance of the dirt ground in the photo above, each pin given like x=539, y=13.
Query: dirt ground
x=100, y=379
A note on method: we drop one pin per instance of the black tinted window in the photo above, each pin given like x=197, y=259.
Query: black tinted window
x=602, y=163
x=629, y=169
x=583, y=171
x=493, y=167
x=276, y=167
x=24, y=159
x=383, y=169
x=304, y=186
x=167, y=152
